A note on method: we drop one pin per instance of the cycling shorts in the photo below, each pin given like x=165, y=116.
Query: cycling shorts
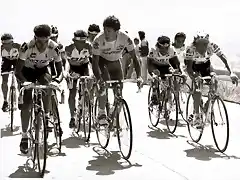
x=110, y=70
x=82, y=70
x=6, y=65
x=42, y=75
x=204, y=68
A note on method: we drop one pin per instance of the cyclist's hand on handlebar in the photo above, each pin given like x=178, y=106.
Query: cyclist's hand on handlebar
x=234, y=78
x=26, y=83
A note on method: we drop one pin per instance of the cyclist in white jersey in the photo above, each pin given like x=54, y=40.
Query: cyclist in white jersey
x=34, y=60
x=179, y=48
x=198, y=62
x=54, y=37
x=107, y=51
x=9, y=54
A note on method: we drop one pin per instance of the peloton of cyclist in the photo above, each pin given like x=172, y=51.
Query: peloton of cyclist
x=78, y=54
x=33, y=64
x=9, y=54
x=198, y=62
x=107, y=52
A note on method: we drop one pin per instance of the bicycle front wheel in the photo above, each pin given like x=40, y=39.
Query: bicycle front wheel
x=220, y=124
x=124, y=129
x=103, y=132
x=153, y=109
x=41, y=142
x=171, y=111
x=57, y=123
x=195, y=134
x=86, y=116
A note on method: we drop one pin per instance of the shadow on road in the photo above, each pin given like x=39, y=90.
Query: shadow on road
x=106, y=163
x=6, y=132
x=205, y=153
x=76, y=141
x=159, y=134
x=25, y=172
x=172, y=123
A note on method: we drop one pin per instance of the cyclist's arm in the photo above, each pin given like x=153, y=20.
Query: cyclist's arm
x=223, y=58
x=175, y=63
x=23, y=55
x=95, y=59
x=58, y=61
x=131, y=51
x=188, y=60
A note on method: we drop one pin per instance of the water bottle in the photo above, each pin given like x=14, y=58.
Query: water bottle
x=62, y=97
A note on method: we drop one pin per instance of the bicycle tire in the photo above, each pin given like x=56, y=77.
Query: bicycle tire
x=167, y=115
x=11, y=108
x=40, y=118
x=97, y=127
x=196, y=140
x=56, y=123
x=227, y=123
x=87, y=129
x=125, y=156
x=149, y=109
x=79, y=115
x=180, y=109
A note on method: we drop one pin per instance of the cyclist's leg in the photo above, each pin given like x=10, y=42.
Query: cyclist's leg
x=6, y=67
x=25, y=108
x=102, y=92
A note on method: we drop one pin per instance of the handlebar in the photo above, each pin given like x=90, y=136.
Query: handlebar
x=120, y=81
x=30, y=85
x=10, y=72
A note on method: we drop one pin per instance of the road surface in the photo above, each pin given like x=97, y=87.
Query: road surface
x=156, y=154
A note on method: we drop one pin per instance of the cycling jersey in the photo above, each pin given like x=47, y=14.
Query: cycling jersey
x=144, y=49
x=192, y=54
x=163, y=59
x=78, y=57
x=13, y=54
x=112, y=51
x=34, y=59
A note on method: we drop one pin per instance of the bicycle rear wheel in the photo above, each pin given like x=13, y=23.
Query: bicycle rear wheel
x=154, y=118
x=195, y=134
x=56, y=123
x=41, y=142
x=171, y=112
x=216, y=122
x=87, y=116
x=103, y=132
x=126, y=153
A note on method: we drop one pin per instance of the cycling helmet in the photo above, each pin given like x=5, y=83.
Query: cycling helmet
x=42, y=31
x=201, y=35
x=54, y=31
x=163, y=41
x=180, y=35
x=93, y=29
x=112, y=22
x=6, y=38
x=80, y=35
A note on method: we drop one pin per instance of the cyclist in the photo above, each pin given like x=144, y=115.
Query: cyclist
x=93, y=31
x=78, y=54
x=107, y=51
x=54, y=37
x=9, y=54
x=164, y=59
x=144, y=51
x=179, y=48
x=33, y=64
x=198, y=61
